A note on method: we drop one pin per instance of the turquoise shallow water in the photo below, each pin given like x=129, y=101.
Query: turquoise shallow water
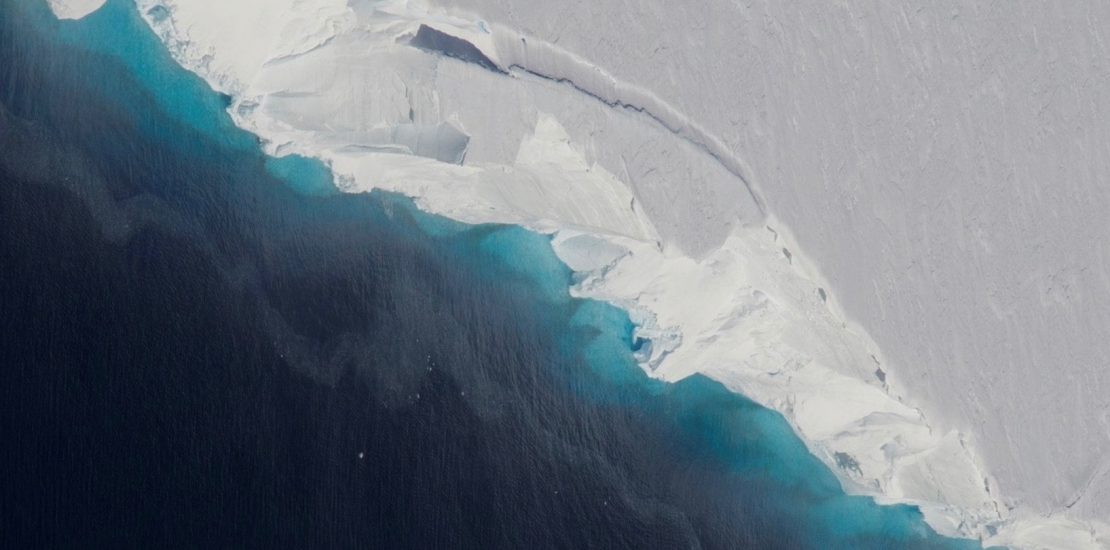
x=260, y=360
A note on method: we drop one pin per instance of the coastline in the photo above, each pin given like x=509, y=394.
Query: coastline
x=775, y=313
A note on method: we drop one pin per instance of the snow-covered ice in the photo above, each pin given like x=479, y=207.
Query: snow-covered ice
x=74, y=9
x=746, y=181
x=944, y=164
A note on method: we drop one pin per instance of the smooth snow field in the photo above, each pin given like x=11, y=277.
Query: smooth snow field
x=885, y=221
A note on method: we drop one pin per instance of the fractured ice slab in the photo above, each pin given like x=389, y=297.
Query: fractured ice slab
x=438, y=41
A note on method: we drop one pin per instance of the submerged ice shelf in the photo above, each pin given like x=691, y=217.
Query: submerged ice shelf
x=653, y=210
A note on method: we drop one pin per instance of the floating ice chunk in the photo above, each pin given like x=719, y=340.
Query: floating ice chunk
x=74, y=9
x=583, y=252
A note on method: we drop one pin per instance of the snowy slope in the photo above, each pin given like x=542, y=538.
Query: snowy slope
x=670, y=158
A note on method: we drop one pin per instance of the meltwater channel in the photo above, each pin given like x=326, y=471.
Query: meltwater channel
x=202, y=346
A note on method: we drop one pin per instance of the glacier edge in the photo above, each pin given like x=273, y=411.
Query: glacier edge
x=779, y=338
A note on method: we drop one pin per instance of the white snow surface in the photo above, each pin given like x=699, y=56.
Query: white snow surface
x=939, y=163
x=74, y=9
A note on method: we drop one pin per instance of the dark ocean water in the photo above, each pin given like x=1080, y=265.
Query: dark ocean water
x=203, y=347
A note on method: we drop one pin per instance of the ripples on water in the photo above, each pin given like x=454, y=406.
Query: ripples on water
x=204, y=347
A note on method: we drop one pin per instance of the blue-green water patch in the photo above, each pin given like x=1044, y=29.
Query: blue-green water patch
x=117, y=31
x=309, y=176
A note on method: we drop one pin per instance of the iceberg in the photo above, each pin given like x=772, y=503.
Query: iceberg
x=74, y=9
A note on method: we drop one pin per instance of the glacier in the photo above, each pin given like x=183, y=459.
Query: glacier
x=629, y=159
